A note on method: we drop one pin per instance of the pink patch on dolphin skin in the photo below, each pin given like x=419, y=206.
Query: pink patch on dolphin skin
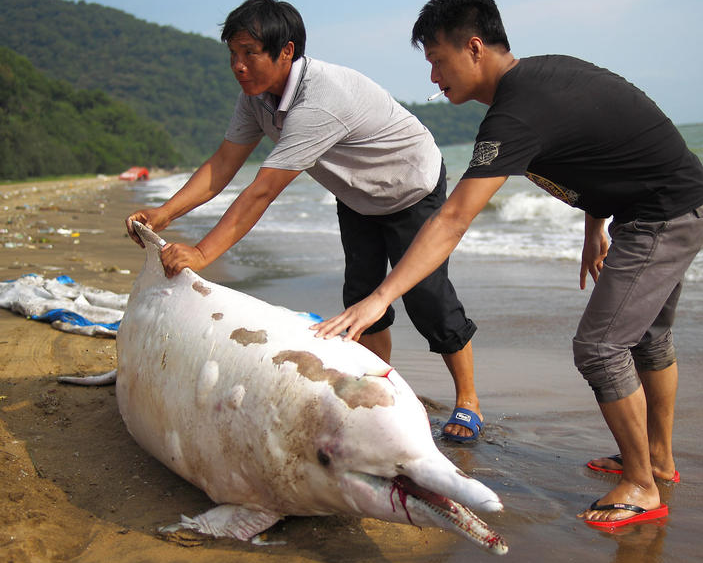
x=202, y=289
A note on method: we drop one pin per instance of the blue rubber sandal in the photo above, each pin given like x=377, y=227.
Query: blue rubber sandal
x=468, y=419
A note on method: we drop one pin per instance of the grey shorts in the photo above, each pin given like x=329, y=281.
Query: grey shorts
x=626, y=326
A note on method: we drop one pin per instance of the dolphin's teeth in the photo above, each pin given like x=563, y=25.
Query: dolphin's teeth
x=418, y=501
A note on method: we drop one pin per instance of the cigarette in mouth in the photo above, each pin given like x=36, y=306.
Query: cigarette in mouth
x=435, y=96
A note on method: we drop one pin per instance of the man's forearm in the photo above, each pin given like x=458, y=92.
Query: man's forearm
x=202, y=186
x=210, y=179
x=245, y=212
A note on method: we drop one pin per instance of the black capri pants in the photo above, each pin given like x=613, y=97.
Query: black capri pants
x=371, y=241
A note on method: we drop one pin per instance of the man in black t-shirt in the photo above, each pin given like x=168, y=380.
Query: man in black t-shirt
x=597, y=143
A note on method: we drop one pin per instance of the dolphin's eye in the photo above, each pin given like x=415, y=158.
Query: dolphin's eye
x=323, y=458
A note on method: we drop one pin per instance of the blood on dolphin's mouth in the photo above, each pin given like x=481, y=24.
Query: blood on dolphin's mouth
x=405, y=486
x=426, y=503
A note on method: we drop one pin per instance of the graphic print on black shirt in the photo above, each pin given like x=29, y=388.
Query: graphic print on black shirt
x=560, y=192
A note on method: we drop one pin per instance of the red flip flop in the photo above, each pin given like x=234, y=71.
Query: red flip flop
x=617, y=458
x=641, y=515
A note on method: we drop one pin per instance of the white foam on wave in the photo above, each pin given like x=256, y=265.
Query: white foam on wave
x=329, y=199
x=526, y=225
x=161, y=189
x=518, y=245
x=695, y=272
x=518, y=223
x=525, y=206
x=295, y=228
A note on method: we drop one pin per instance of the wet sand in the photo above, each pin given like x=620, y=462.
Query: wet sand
x=75, y=487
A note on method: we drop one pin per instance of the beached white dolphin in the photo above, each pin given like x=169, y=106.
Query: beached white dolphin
x=238, y=397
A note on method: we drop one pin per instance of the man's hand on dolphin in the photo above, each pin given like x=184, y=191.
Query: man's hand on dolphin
x=354, y=320
x=175, y=257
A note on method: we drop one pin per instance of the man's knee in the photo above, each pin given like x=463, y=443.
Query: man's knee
x=450, y=342
x=609, y=369
x=655, y=355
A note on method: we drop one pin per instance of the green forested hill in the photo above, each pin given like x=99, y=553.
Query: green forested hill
x=49, y=128
x=450, y=124
x=180, y=80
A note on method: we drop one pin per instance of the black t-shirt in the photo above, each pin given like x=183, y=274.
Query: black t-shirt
x=590, y=138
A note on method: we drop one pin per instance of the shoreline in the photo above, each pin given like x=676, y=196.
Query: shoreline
x=75, y=487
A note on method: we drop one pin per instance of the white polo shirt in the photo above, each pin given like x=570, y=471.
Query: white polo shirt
x=347, y=132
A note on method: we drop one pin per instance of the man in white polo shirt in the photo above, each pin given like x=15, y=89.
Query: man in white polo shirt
x=354, y=139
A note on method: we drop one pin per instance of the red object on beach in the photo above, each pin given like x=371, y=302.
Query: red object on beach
x=135, y=173
x=641, y=515
x=617, y=458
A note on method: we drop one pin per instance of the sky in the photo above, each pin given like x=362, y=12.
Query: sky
x=657, y=45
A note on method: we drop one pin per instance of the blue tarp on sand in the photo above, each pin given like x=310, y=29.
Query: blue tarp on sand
x=66, y=304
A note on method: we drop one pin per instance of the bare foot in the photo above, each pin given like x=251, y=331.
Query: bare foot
x=457, y=429
x=624, y=493
x=613, y=463
x=610, y=463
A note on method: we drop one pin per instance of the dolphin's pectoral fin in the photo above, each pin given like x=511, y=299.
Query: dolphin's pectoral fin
x=227, y=520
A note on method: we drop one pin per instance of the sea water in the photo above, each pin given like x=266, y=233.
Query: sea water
x=299, y=234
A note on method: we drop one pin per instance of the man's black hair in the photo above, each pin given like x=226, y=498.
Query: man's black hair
x=459, y=21
x=271, y=22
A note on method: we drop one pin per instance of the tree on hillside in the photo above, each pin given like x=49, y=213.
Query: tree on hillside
x=179, y=79
x=450, y=124
x=49, y=128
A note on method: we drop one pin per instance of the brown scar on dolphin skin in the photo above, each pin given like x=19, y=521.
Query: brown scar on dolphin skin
x=356, y=392
x=202, y=289
x=217, y=316
x=246, y=337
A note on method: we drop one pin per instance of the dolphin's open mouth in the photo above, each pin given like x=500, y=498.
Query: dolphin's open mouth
x=402, y=500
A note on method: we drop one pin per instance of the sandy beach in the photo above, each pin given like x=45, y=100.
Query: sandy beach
x=75, y=487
